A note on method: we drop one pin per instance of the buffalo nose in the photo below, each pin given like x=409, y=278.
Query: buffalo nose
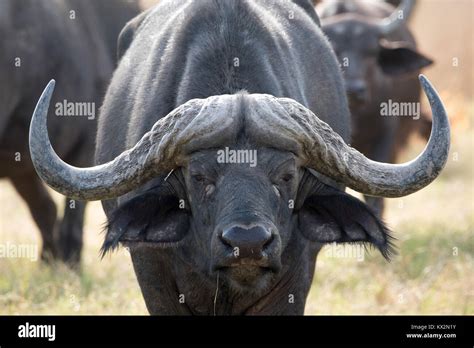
x=356, y=90
x=250, y=242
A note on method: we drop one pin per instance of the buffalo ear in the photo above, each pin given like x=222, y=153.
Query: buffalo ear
x=155, y=218
x=337, y=217
x=127, y=34
x=308, y=7
x=398, y=58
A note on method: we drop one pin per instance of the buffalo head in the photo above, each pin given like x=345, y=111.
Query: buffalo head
x=247, y=180
x=367, y=47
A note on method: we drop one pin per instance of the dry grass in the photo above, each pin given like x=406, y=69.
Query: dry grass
x=426, y=277
x=433, y=273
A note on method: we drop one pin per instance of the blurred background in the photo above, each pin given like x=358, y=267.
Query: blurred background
x=433, y=272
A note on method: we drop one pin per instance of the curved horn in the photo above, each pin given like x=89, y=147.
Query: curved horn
x=325, y=151
x=156, y=152
x=201, y=123
x=400, y=15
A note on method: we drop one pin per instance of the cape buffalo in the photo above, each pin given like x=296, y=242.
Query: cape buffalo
x=73, y=41
x=380, y=63
x=201, y=89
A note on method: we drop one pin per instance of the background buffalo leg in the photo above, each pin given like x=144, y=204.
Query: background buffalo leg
x=42, y=209
x=70, y=238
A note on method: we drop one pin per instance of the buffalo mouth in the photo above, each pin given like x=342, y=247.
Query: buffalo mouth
x=247, y=276
x=357, y=102
x=245, y=273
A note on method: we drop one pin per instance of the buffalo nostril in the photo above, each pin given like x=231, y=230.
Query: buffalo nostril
x=269, y=241
x=250, y=242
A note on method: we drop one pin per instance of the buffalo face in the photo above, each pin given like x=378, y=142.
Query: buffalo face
x=367, y=57
x=247, y=222
x=252, y=219
x=243, y=210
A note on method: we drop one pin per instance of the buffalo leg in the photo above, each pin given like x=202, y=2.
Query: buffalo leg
x=42, y=209
x=70, y=238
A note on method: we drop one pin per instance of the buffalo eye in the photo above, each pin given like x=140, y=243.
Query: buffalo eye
x=282, y=183
x=284, y=180
x=202, y=179
x=287, y=177
x=199, y=178
x=204, y=183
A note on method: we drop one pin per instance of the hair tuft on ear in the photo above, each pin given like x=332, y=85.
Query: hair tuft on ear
x=335, y=216
x=153, y=218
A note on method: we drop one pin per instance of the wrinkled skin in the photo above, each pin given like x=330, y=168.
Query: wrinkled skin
x=181, y=230
x=78, y=53
x=288, y=263
x=218, y=197
x=376, y=68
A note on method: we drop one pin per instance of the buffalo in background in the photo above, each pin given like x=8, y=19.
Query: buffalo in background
x=380, y=63
x=73, y=41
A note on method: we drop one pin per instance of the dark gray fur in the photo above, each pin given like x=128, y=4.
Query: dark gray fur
x=180, y=50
